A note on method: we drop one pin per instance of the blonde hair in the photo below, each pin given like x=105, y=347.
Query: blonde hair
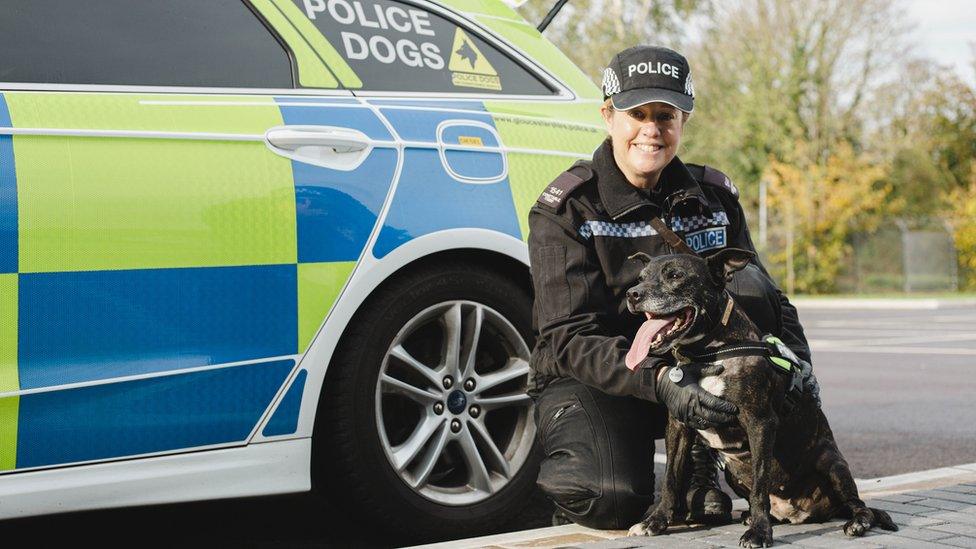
x=608, y=104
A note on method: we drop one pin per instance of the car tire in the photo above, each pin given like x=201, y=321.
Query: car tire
x=422, y=456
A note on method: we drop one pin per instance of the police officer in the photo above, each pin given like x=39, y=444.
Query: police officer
x=597, y=419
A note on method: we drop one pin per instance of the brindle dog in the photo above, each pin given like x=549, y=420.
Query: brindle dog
x=786, y=464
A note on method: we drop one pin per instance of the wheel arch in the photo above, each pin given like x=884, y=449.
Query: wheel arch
x=491, y=260
x=493, y=251
x=335, y=388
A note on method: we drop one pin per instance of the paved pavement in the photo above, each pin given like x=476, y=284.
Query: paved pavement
x=939, y=517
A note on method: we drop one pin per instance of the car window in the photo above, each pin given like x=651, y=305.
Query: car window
x=395, y=46
x=216, y=43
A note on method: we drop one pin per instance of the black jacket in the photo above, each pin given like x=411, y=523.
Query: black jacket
x=584, y=227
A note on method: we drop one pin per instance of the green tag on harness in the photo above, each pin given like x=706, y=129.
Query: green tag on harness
x=786, y=359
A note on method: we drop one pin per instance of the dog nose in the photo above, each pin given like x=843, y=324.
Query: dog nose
x=634, y=295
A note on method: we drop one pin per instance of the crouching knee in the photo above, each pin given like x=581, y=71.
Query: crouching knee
x=587, y=500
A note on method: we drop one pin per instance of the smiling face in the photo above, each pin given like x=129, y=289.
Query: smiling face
x=645, y=140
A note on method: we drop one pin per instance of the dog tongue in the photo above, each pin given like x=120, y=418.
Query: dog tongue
x=642, y=341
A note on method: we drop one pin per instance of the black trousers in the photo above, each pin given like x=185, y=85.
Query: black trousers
x=599, y=453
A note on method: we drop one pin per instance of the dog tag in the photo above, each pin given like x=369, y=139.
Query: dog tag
x=676, y=374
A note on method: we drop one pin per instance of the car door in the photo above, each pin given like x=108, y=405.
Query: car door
x=428, y=74
x=175, y=221
x=431, y=74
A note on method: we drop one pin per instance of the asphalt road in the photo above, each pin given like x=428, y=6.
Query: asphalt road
x=897, y=388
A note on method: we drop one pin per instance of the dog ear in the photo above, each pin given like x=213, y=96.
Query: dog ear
x=644, y=258
x=725, y=262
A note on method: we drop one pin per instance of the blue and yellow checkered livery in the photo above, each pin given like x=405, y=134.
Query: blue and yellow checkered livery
x=163, y=272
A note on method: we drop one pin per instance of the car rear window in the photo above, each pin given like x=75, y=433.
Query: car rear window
x=396, y=46
x=211, y=43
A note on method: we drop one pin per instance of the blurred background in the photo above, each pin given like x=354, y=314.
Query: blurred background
x=849, y=127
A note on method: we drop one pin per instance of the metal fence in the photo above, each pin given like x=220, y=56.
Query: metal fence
x=902, y=257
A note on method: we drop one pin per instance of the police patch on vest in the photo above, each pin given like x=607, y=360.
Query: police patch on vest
x=707, y=239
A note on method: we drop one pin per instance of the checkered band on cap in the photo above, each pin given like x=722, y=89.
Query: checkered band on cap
x=619, y=230
x=611, y=84
x=689, y=86
x=685, y=224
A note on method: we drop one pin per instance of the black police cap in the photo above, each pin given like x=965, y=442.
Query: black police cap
x=647, y=74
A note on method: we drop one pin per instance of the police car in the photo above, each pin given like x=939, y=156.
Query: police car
x=250, y=247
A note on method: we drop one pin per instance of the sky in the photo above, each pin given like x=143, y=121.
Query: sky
x=944, y=29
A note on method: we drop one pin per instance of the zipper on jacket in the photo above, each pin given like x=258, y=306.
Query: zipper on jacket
x=631, y=209
x=559, y=413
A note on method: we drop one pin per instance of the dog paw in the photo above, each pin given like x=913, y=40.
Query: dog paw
x=657, y=525
x=757, y=537
x=639, y=529
x=650, y=526
x=654, y=522
x=857, y=526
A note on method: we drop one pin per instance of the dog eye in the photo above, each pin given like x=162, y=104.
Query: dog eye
x=675, y=275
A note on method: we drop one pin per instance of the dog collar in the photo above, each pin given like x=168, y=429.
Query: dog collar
x=720, y=326
x=728, y=309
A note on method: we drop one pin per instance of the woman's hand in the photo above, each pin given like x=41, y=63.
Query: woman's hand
x=677, y=388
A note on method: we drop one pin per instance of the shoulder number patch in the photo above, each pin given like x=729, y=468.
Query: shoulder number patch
x=560, y=188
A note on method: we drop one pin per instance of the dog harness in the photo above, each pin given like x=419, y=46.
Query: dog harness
x=780, y=358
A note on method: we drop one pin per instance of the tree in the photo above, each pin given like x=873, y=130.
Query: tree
x=771, y=73
x=963, y=216
x=818, y=206
x=928, y=132
x=591, y=31
x=784, y=89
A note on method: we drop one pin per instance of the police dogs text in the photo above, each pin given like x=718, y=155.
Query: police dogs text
x=412, y=51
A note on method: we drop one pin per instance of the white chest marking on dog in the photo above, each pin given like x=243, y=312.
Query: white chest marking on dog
x=713, y=384
x=783, y=509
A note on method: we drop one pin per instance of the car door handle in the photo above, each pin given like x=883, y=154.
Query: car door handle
x=340, y=140
x=327, y=146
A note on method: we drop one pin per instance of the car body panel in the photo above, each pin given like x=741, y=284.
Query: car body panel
x=8, y=197
x=285, y=418
x=255, y=470
x=142, y=203
x=142, y=257
x=337, y=209
x=428, y=198
x=163, y=264
x=144, y=416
